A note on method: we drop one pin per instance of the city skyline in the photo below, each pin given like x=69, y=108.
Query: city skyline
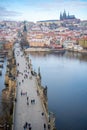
x=32, y=10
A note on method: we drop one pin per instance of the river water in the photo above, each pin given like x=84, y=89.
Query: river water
x=66, y=78
x=2, y=80
x=2, y=77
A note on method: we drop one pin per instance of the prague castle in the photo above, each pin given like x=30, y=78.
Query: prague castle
x=64, y=16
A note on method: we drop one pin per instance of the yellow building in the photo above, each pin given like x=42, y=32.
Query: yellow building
x=37, y=43
x=83, y=42
x=8, y=45
x=39, y=36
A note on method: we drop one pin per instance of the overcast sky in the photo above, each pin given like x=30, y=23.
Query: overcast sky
x=36, y=10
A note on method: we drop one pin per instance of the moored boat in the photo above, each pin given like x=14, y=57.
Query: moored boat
x=0, y=72
x=61, y=50
x=1, y=65
x=57, y=48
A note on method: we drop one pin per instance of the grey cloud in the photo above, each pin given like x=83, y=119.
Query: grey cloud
x=4, y=12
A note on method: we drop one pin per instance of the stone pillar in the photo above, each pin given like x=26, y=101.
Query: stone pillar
x=10, y=84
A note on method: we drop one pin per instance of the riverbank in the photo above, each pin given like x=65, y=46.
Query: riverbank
x=45, y=50
x=54, y=50
x=79, y=51
x=32, y=49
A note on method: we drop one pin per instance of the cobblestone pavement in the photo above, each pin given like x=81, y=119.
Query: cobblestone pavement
x=28, y=107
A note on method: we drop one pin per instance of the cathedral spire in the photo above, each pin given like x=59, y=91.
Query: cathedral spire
x=61, y=17
x=64, y=14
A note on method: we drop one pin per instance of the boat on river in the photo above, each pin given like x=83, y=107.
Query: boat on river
x=1, y=60
x=0, y=72
x=56, y=48
x=61, y=50
x=1, y=65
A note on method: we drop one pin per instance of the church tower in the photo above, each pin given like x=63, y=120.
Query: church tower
x=64, y=14
x=24, y=38
x=61, y=17
x=25, y=32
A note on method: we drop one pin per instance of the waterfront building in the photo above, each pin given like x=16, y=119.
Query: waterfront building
x=1, y=45
x=83, y=42
x=8, y=45
x=39, y=42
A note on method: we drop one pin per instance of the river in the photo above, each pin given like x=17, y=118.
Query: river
x=2, y=79
x=66, y=78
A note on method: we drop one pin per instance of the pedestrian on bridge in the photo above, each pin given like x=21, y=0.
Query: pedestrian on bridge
x=27, y=98
x=30, y=128
x=19, y=83
x=26, y=124
x=29, y=124
x=24, y=127
x=21, y=93
x=27, y=103
x=49, y=126
x=44, y=126
x=22, y=80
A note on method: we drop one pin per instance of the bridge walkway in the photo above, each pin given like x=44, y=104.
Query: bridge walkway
x=28, y=107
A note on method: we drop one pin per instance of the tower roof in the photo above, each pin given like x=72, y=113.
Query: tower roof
x=25, y=29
